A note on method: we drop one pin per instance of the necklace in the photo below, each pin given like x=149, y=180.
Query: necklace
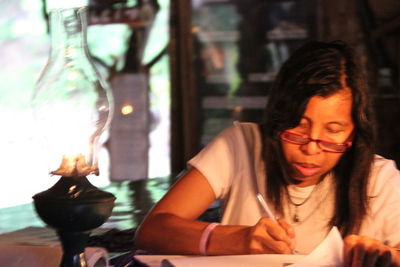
x=296, y=217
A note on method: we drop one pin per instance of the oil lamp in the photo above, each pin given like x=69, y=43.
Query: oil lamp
x=72, y=106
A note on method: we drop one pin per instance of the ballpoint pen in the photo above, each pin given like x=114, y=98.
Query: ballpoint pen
x=265, y=207
x=269, y=213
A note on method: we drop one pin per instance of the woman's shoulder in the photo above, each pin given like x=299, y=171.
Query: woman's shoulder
x=240, y=130
x=240, y=136
x=248, y=131
x=381, y=163
x=244, y=124
x=384, y=173
x=246, y=127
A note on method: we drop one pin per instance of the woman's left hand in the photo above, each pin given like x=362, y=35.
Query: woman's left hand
x=368, y=252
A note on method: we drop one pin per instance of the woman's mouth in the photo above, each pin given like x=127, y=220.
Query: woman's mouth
x=306, y=169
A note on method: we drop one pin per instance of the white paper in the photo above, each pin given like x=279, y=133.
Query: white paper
x=329, y=253
x=258, y=260
x=155, y=260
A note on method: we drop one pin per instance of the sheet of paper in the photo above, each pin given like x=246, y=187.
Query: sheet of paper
x=329, y=253
x=155, y=260
x=260, y=260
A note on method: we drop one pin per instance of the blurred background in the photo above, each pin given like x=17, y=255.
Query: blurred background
x=180, y=72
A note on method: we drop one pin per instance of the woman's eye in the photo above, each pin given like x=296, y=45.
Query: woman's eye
x=330, y=130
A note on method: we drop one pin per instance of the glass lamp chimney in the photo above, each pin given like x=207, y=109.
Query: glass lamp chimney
x=72, y=103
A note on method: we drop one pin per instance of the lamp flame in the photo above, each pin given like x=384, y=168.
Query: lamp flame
x=75, y=166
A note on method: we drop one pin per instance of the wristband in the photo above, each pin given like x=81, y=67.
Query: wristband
x=205, y=236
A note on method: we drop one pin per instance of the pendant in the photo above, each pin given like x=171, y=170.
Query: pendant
x=296, y=217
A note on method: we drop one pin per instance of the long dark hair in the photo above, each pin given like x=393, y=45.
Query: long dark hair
x=317, y=69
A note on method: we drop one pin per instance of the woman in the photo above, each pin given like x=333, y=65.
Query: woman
x=312, y=160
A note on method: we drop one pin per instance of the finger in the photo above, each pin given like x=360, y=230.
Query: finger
x=395, y=256
x=272, y=236
x=349, y=243
x=274, y=246
x=278, y=233
x=263, y=241
x=358, y=256
x=385, y=260
x=288, y=228
x=371, y=258
x=347, y=255
x=256, y=247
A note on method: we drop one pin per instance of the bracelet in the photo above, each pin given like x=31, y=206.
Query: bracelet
x=205, y=236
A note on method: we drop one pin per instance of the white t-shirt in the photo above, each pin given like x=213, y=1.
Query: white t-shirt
x=234, y=168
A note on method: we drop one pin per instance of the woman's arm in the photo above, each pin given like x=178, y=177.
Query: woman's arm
x=171, y=226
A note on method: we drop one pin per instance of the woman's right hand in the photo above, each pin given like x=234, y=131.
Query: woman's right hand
x=268, y=236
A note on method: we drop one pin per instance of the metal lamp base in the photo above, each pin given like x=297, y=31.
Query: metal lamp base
x=73, y=207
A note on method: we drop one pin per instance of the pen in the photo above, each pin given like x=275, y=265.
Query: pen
x=265, y=207
x=269, y=212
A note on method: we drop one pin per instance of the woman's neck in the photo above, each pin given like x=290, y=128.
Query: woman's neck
x=309, y=182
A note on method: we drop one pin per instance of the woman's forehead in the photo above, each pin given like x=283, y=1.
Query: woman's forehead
x=335, y=107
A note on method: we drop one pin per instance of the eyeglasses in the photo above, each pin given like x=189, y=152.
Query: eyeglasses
x=326, y=146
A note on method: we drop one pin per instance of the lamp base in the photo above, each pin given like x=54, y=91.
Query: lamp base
x=73, y=244
x=73, y=207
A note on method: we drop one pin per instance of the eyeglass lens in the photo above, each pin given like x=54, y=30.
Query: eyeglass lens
x=301, y=140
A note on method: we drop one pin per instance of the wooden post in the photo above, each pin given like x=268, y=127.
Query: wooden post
x=184, y=102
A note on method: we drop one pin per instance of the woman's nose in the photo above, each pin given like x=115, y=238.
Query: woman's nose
x=311, y=148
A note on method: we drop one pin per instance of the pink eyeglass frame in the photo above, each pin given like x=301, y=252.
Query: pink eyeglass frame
x=347, y=145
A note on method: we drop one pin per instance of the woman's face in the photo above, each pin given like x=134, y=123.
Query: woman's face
x=325, y=118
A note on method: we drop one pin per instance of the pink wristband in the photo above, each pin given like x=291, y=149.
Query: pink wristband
x=205, y=236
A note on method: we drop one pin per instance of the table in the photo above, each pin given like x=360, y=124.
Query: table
x=22, y=230
x=134, y=200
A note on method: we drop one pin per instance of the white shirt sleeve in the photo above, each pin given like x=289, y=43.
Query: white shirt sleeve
x=384, y=193
x=216, y=161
